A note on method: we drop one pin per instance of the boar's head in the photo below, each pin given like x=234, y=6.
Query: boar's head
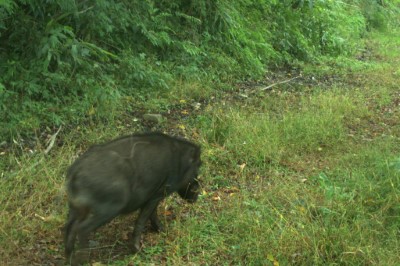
x=189, y=188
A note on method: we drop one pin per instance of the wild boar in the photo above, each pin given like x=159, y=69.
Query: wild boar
x=124, y=175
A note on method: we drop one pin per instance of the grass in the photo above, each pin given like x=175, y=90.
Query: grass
x=291, y=177
x=329, y=195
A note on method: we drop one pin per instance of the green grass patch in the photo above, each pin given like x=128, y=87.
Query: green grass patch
x=309, y=124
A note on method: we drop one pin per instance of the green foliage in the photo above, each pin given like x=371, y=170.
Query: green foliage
x=64, y=60
x=380, y=14
x=306, y=31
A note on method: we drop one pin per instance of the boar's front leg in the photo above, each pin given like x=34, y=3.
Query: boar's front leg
x=156, y=225
x=145, y=213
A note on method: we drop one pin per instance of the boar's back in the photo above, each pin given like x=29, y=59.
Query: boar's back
x=129, y=171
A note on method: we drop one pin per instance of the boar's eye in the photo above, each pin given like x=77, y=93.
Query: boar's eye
x=194, y=186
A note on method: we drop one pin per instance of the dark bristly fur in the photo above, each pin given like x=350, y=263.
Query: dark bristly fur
x=124, y=175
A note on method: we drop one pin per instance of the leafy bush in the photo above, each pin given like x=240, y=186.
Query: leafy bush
x=64, y=60
x=380, y=14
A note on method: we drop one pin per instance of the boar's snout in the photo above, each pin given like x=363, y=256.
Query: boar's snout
x=191, y=192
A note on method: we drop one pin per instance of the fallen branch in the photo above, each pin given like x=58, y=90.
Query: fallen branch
x=98, y=247
x=52, y=141
x=280, y=82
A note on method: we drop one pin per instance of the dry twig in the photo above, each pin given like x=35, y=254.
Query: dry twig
x=277, y=83
x=52, y=141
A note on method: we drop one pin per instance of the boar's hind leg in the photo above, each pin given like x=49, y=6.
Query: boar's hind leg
x=71, y=228
x=70, y=233
x=100, y=216
x=145, y=213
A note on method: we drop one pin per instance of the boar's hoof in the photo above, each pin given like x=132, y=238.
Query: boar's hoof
x=136, y=248
x=157, y=227
x=80, y=257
